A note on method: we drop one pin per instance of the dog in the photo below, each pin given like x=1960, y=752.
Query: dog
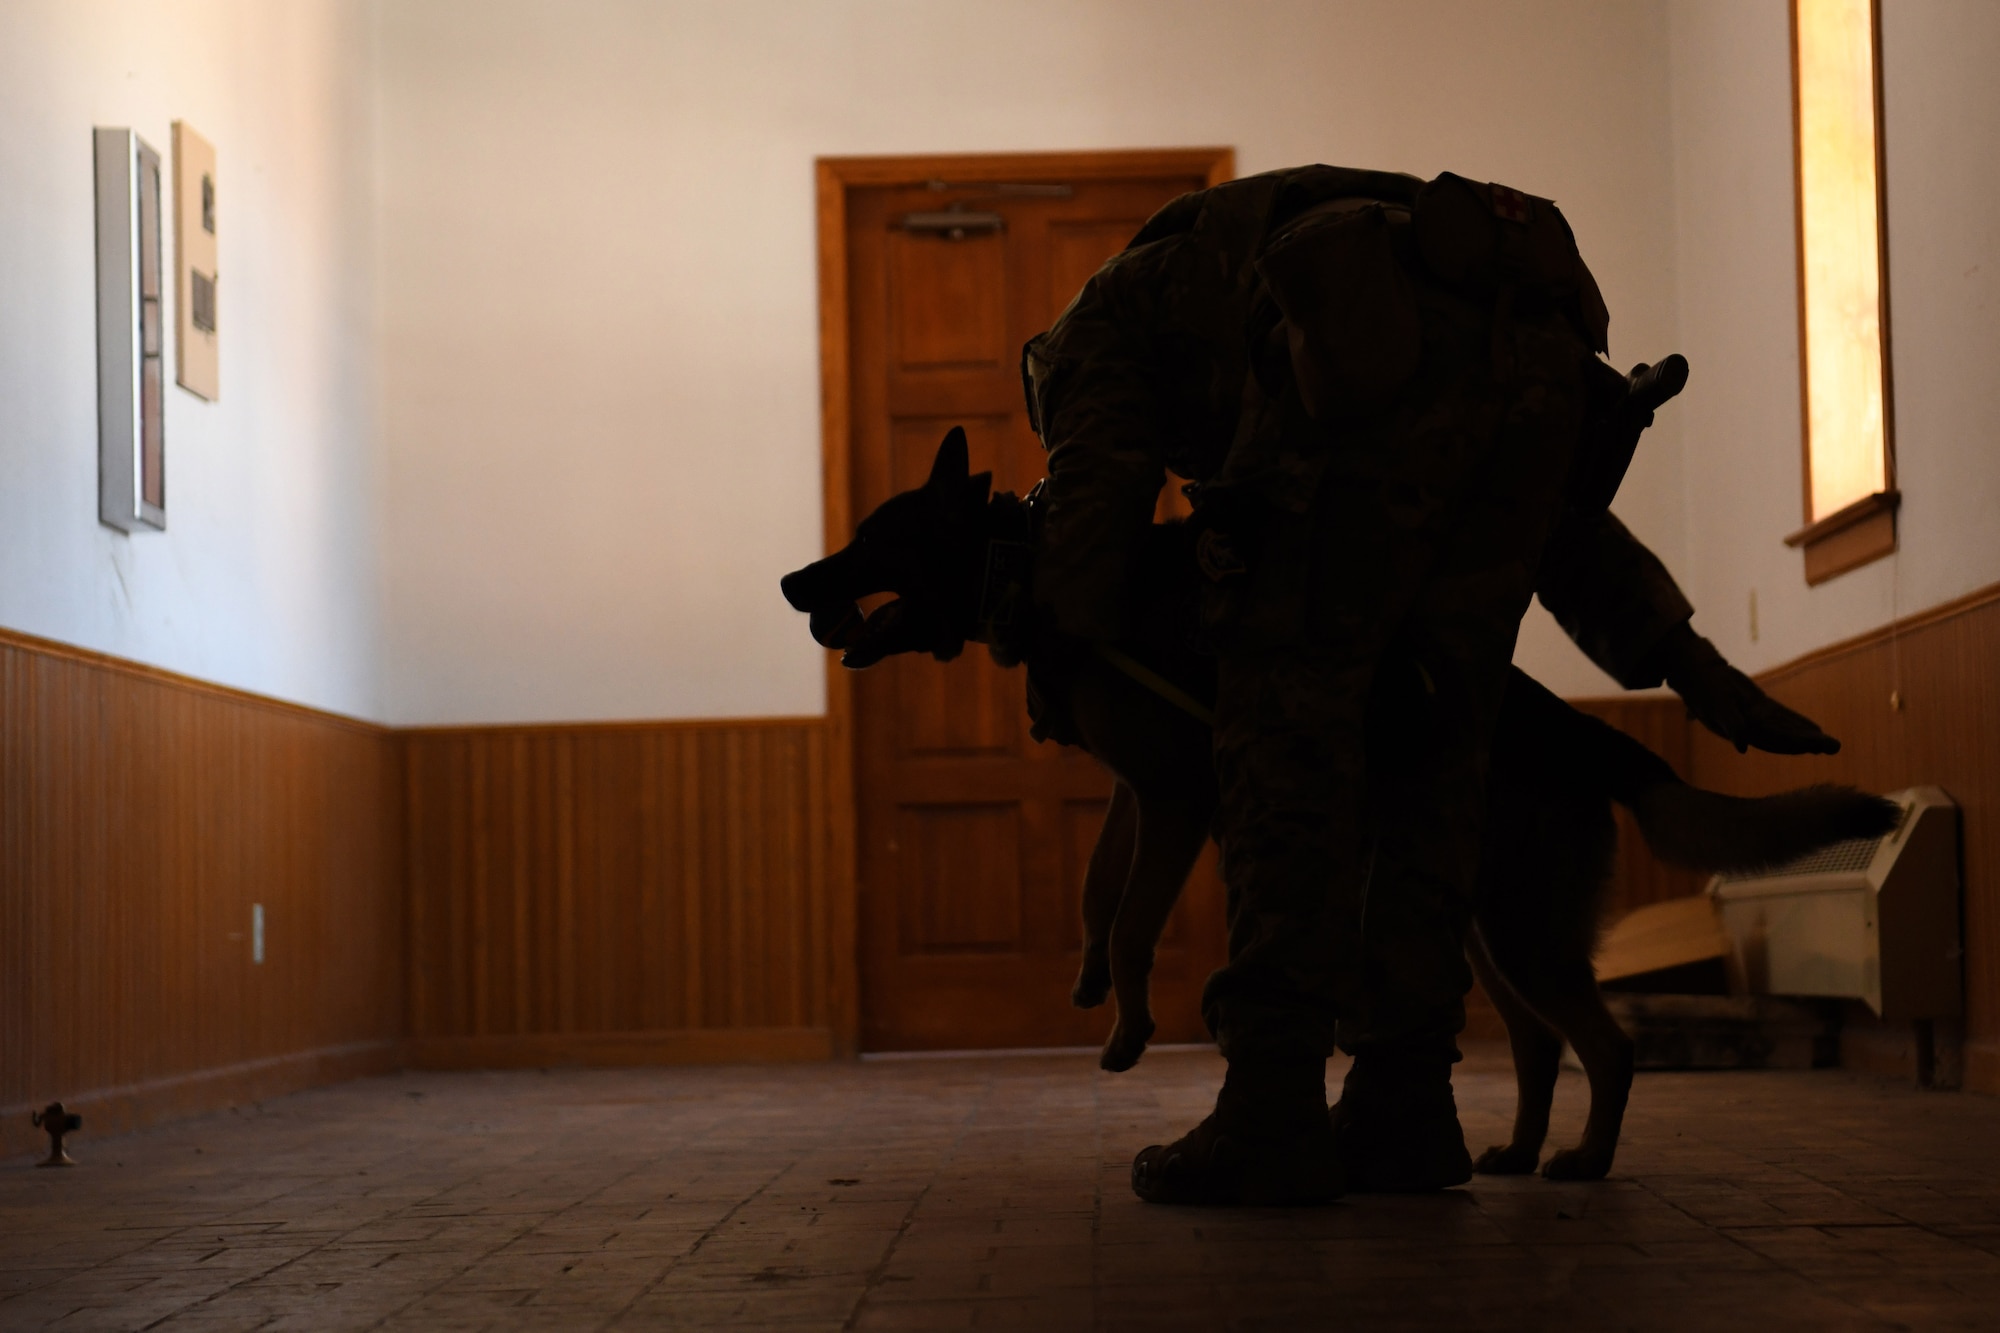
x=956, y=558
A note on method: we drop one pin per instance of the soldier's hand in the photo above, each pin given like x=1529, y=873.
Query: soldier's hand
x=1731, y=705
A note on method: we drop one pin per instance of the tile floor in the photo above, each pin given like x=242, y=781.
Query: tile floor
x=988, y=1193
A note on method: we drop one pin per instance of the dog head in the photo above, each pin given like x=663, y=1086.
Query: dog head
x=924, y=546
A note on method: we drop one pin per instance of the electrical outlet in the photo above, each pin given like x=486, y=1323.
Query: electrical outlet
x=256, y=932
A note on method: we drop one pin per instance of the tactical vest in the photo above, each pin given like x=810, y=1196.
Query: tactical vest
x=1341, y=274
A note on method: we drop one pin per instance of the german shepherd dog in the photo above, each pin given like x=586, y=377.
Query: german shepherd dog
x=955, y=557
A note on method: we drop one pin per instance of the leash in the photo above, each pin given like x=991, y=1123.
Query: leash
x=1003, y=597
x=1157, y=683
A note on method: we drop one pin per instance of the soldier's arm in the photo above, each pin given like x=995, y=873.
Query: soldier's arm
x=1621, y=606
x=1732, y=705
x=1612, y=596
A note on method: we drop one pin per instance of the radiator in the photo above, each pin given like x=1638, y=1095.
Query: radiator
x=1871, y=919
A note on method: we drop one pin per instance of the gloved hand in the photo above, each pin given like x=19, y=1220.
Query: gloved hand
x=1731, y=705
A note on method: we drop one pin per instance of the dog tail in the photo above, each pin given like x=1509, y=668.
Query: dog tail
x=1709, y=831
x=1686, y=825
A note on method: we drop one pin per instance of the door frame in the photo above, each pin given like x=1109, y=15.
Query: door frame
x=834, y=178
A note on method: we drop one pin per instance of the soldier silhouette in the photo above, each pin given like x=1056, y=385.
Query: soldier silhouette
x=1390, y=398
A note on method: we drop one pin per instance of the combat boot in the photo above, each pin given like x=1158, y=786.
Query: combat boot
x=1267, y=1143
x=1396, y=1125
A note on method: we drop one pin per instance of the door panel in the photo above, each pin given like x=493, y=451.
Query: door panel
x=1076, y=249
x=973, y=839
x=948, y=301
x=960, y=887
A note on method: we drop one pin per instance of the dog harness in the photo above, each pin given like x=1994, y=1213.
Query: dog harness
x=1003, y=616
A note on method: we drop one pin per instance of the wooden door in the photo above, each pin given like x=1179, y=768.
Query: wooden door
x=972, y=839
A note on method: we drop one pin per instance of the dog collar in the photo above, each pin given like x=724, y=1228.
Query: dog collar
x=1009, y=567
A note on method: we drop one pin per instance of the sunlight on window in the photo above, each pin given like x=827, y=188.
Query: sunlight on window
x=1846, y=445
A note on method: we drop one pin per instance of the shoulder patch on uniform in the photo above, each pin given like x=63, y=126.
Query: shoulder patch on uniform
x=1511, y=204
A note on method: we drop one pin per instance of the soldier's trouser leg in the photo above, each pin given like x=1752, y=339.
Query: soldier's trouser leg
x=1396, y=1123
x=1396, y=1126
x=1348, y=887
x=1329, y=894
x=1428, y=768
x=1425, y=538
x=1293, y=731
x=1297, y=839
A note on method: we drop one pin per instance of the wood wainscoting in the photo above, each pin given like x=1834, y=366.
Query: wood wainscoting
x=1915, y=702
x=618, y=894
x=141, y=816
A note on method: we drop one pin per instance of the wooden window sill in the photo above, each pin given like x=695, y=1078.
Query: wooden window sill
x=1849, y=538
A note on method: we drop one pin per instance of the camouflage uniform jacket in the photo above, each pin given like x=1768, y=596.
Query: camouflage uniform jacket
x=1149, y=368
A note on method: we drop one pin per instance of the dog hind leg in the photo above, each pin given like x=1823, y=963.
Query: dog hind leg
x=1103, y=887
x=1172, y=831
x=1537, y=1059
x=1559, y=987
x=1573, y=1005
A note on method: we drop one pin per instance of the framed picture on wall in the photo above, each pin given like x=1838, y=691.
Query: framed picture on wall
x=131, y=379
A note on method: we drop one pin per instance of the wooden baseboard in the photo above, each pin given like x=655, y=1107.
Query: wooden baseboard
x=661, y=1046
x=1982, y=1067
x=1887, y=1049
x=120, y=1110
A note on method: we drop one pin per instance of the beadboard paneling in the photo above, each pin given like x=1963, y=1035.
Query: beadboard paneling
x=663, y=883
x=141, y=815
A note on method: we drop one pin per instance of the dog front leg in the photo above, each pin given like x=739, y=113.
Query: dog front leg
x=1103, y=887
x=1172, y=832
x=1537, y=1062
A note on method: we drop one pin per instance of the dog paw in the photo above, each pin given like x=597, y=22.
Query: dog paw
x=1092, y=988
x=1124, y=1048
x=1507, y=1160
x=1577, y=1164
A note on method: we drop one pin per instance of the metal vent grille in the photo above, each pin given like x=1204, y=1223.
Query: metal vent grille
x=1854, y=854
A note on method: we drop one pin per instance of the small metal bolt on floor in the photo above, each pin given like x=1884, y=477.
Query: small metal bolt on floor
x=56, y=1122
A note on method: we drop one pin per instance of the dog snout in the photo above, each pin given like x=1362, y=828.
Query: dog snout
x=843, y=577
x=798, y=588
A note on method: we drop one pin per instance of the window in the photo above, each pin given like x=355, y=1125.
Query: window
x=1850, y=486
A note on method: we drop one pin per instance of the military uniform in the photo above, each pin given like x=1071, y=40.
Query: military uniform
x=1385, y=459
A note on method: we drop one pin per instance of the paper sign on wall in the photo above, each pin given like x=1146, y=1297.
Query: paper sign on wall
x=194, y=262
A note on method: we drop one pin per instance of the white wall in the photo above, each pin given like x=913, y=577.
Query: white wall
x=266, y=576
x=600, y=359
x=598, y=345
x=1738, y=298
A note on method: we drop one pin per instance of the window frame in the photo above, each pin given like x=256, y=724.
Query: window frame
x=1864, y=530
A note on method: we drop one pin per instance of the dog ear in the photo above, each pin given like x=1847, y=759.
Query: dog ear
x=948, y=471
